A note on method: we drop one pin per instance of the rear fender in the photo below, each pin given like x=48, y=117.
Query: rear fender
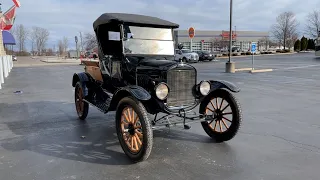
x=83, y=78
x=135, y=91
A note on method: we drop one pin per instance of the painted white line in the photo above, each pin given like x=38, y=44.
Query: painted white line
x=299, y=67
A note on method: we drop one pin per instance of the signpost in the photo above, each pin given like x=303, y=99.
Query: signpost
x=76, y=40
x=253, y=50
x=191, y=35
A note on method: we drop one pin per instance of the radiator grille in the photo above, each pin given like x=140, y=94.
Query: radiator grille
x=181, y=82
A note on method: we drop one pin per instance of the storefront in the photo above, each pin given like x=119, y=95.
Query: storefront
x=219, y=40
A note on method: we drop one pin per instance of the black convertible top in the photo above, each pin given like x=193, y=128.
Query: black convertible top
x=134, y=19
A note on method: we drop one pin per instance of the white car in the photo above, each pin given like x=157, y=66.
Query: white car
x=186, y=55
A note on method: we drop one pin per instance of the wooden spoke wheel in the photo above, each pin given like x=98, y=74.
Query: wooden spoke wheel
x=82, y=107
x=131, y=129
x=223, y=115
x=134, y=129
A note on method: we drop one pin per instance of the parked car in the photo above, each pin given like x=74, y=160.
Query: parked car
x=14, y=58
x=186, y=55
x=206, y=55
x=136, y=76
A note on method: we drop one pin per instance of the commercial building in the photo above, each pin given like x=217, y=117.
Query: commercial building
x=219, y=40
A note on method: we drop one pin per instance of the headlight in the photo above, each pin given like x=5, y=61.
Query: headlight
x=205, y=88
x=162, y=91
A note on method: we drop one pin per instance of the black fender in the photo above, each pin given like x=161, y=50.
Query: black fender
x=215, y=87
x=83, y=78
x=132, y=90
x=223, y=84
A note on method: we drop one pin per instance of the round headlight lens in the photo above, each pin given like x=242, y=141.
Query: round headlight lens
x=162, y=91
x=205, y=88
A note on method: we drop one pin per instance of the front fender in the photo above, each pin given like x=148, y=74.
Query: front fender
x=136, y=91
x=223, y=84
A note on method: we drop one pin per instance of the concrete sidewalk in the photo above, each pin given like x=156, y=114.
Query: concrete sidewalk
x=59, y=60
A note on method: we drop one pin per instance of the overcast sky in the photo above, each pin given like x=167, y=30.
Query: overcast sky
x=69, y=17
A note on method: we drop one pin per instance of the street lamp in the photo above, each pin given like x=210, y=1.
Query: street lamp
x=230, y=66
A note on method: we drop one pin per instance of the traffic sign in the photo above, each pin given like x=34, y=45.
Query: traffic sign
x=253, y=47
x=191, y=32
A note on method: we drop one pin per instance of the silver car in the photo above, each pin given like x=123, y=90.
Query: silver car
x=186, y=55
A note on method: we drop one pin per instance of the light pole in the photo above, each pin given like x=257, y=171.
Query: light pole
x=230, y=66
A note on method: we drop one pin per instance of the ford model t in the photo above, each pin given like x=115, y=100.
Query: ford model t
x=137, y=76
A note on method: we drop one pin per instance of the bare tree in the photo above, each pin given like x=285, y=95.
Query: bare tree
x=21, y=33
x=313, y=23
x=33, y=37
x=285, y=28
x=90, y=41
x=60, y=47
x=65, y=42
x=41, y=37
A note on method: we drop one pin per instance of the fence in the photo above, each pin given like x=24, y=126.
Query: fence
x=6, y=65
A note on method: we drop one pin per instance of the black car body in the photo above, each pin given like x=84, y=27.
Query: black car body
x=206, y=55
x=136, y=75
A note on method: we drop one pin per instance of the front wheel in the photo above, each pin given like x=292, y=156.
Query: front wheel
x=134, y=129
x=223, y=114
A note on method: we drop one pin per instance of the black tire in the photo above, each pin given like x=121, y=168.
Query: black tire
x=146, y=144
x=236, y=113
x=78, y=99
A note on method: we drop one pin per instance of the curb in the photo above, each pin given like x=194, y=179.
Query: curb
x=55, y=62
x=260, y=70
x=226, y=57
x=243, y=69
x=44, y=64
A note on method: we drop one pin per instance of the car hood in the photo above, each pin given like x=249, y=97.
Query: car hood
x=190, y=54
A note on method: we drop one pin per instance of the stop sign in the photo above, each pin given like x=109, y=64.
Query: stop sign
x=191, y=32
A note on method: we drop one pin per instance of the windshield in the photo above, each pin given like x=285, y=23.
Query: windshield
x=186, y=51
x=146, y=40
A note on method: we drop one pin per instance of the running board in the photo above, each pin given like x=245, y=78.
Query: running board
x=103, y=107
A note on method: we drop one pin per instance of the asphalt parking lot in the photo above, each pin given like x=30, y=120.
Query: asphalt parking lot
x=41, y=138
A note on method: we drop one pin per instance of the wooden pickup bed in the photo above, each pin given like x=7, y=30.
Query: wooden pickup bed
x=93, y=68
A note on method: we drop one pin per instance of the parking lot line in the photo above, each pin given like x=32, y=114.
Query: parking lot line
x=301, y=67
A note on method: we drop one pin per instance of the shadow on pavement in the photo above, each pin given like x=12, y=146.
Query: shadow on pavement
x=52, y=128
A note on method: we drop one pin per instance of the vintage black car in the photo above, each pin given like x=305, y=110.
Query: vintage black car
x=137, y=77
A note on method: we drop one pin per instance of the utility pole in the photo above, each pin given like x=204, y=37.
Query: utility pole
x=81, y=42
x=230, y=66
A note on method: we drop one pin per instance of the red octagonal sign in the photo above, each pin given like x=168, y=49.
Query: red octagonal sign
x=191, y=32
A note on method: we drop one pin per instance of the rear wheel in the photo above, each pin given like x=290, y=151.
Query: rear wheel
x=134, y=129
x=82, y=107
x=223, y=115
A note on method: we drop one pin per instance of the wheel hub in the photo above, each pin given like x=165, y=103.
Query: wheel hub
x=218, y=114
x=131, y=129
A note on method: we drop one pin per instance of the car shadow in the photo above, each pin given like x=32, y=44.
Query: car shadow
x=53, y=129
x=59, y=133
